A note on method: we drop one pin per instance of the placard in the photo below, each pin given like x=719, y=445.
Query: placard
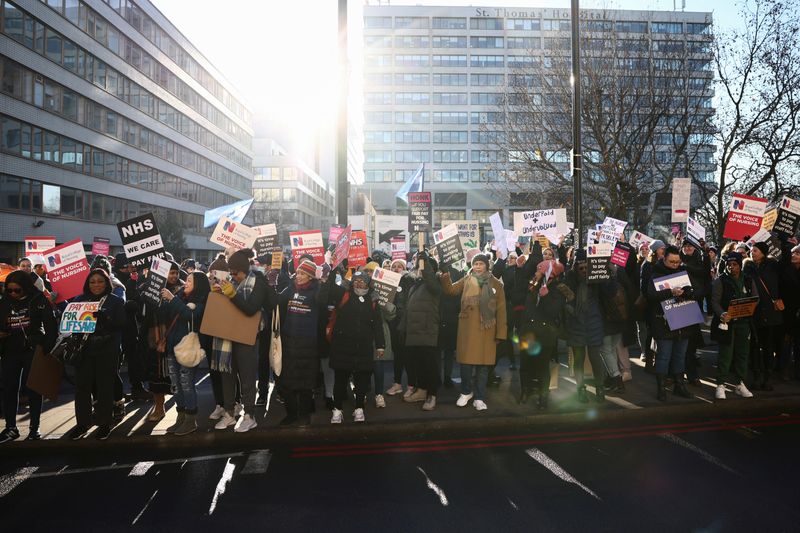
x=770, y=216
x=388, y=227
x=385, y=283
x=101, y=246
x=772, y=241
x=266, y=240
x=448, y=243
x=79, y=317
x=695, y=231
x=592, y=236
x=468, y=231
x=683, y=313
x=231, y=234
x=681, y=198
x=359, y=251
x=39, y=245
x=742, y=307
x=551, y=223
x=398, y=248
x=335, y=232
x=638, y=239
x=744, y=217
x=511, y=240
x=598, y=256
x=678, y=280
x=788, y=217
x=277, y=260
x=615, y=225
x=157, y=280
x=223, y=319
x=342, y=250
x=307, y=242
x=499, y=232
x=141, y=240
x=67, y=269
x=621, y=253
x=420, y=216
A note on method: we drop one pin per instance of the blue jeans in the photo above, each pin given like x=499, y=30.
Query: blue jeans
x=380, y=373
x=481, y=378
x=183, y=378
x=671, y=356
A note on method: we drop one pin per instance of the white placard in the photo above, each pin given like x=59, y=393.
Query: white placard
x=638, y=239
x=615, y=225
x=446, y=232
x=160, y=267
x=761, y=235
x=681, y=198
x=231, y=234
x=552, y=223
x=499, y=234
x=694, y=229
x=599, y=250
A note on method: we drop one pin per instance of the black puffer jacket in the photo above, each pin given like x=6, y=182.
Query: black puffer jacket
x=357, y=333
x=420, y=324
x=30, y=322
x=766, y=276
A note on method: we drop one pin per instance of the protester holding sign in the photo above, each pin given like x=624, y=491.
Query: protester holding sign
x=481, y=325
x=137, y=368
x=96, y=369
x=733, y=335
x=698, y=265
x=790, y=290
x=27, y=324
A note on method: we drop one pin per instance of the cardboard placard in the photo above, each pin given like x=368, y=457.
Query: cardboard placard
x=67, y=269
x=141, y=240
x=420, y=215
x=621, y=253
x=45, y=375
x=770, y=217
x=307, y=242
x=79, y=317
x=742, y=307
x=680, y=314
x=694, y=231
x=615, y=225
x=224, y=320
x=39, y=245
x=773, y=242
x=744, y=217
x=681, y=198
x=599, y=264
x=448, y=243
x=157, y=280
x=551, y=223
x=101, y=246
x=788, y=217
x=277, y=260
x=385, y=283
x=359, y=252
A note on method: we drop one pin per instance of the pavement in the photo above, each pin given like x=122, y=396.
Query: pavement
x=638, y=402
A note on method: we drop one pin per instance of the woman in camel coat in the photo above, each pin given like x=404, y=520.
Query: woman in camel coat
x=481, y=325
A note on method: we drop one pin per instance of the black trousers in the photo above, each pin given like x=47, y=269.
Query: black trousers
x=767, y=339
x=297, y=402
x=137, y=369
x=398, y=352
x=534, y=368
x=595, y=359
x=16, y=367
x=426, y=361
x=264, y=342
x=361, y=379
x=98, y=370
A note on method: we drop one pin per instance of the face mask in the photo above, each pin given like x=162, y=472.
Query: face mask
x=360, y=292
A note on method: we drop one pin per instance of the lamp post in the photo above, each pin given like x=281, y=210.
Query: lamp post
x=577, y=156
x=341, y=135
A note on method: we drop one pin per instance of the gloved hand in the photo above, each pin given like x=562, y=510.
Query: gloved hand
x=228, y=289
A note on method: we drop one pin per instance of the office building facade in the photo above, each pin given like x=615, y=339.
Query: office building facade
x=109, y=112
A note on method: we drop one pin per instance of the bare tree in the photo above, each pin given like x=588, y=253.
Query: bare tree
x=757, y=130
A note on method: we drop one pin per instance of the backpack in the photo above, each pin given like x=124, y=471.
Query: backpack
x=332, y=320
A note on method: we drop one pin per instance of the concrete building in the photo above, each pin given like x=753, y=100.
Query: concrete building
x=433, y=77
x=109, y=112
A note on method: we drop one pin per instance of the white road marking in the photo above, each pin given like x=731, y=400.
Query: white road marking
x=257, y=462
x=138, y=516
x=702, y=453
x=435, y=488
x=227, y=475
x=140, y=469
x=613, y=399
x=540, y=457
x=9, y=482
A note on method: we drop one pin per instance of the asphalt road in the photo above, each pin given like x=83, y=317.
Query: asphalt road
x=667, y=471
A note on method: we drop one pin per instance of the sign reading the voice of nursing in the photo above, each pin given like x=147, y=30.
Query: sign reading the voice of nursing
x=79, y=317
x=788, y=217
x=307, y=242
x=744, y=217
x=38, y=245
x=67, y=269
x=231, y=234
x=141, y=239
x=552, y=223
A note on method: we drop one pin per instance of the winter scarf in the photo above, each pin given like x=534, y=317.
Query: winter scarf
x=481, y=295
x=222, y=349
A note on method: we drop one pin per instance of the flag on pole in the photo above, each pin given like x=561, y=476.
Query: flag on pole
x=414, y=184
x=235, y=211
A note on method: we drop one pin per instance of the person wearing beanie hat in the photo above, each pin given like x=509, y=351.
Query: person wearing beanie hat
x=370, y=267
x=398, y=266
x=742, y=248
x=698, y=266
x=733, y=335
x=308, y=267
x=249, y=291
x=657, y=249
x=761, y=247
x=768, y=319
x=481, y=325
x=657, y=245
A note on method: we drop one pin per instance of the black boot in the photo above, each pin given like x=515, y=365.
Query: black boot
x=600, y=392
x=680, y=388
x=290, y=401
x=582, y=397
x=619, y=385
x=543, y=398
x=661, y=393
x=649, y=363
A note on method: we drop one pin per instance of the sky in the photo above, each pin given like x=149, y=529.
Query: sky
x=281, y=54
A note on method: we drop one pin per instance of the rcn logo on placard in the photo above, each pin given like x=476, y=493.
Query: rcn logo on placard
x=229, y=226
x=592, y=250
x=439, y=236
x=54, y=260
x=786, y=203
x=32, y=245
x=378, y=274
x=297, y=241
x=738, y=204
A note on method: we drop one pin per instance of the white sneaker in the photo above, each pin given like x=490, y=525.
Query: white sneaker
x=336, y=417
x=463, y=400
x=430, y=404
x=479, y=405
x=720, y=393
x=358, y=415
x=380, y=403
x=238, y=409
x=409, y=391
x=246, y=423
x=226, y=421
x=627, y=376
x=742, y=391
x=217, y=413
x=395, y=389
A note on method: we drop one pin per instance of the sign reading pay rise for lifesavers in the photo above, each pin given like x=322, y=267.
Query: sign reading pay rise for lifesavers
x=140, y=239
x=79, y=317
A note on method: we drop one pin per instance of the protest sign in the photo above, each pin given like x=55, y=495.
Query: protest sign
x=598, y=256
x=265, y=240
x=499, y=235
x=638, y=239
x=101, y=246
x=359, y=252
x=681, y=313
x=742, y=307
x=335, y=232
x=448, y=243
x=157, y=280
x=388, y=227
x=307, y=242
x=39, y=245
x=744, y=217
x=277, y=260
x=67, y=269
x=79, y=317
x=224, y=320
x=420, y=216
x=551, y=223
x=468, y=232
x=620, y=254
x=615, y=225
x=398, y=248
x=681, y=198
x=231, y=234
x=141, y=239
x=770, y=216
x=772, y=241
x=592, y=236
x=788, y=217
x=695, y=231
x=342, y=249
x=678, y=280
x=511, y=240
x=608, y=235
x=385, y=283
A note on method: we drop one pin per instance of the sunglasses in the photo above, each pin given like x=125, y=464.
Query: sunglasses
x=14, y=291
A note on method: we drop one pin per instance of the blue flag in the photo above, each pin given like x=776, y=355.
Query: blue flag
x=235, y=211
x=414, y=184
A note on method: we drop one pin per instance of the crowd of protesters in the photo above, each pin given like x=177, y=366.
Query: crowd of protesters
x=338, y=340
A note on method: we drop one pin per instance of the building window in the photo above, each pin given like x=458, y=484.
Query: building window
x=378, y=60
x=415, y=117
x=524, y=43
x=378, y=98
x=411, y=60
x=412, y=98
x=486, y=98
x=628, y=26
x=449, y=23
x=695, y=28
x=486, y=117
x=450, y=79
x=412, y=156
x=486, y=80
x=378, y=117
x=486, y=24
x=448, y=214
x=523, y=24
x=667, y=27
x=377, y=137
x=486, y=42
x=378, y=156
x=449, y=98
x=377, y=41
x=449, y=61
x=377, y=176
x=449, y=41
x=412, y=137
x=371, y=23
x=450, y=137
x=486, y=61
x=409, y=79
x=450, y=156
x=450, y=175
x=556, y=25
x=412, y=22
x=450, y=117
x=411, y=41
